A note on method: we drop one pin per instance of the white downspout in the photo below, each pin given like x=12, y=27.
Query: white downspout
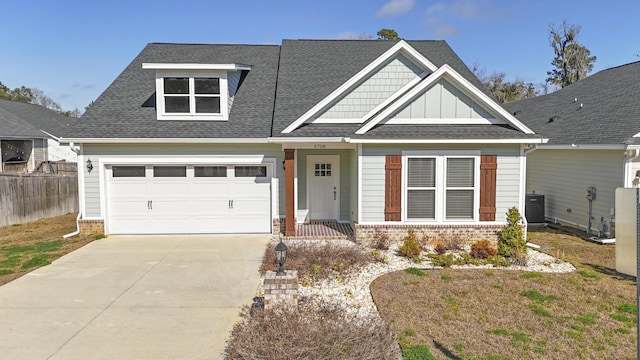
x=80, y=205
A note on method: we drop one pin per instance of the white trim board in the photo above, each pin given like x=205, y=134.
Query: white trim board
x=193, y=66
x=166, y=140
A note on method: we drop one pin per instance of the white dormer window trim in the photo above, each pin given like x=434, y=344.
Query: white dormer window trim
x=195, y=97
x=194, y=92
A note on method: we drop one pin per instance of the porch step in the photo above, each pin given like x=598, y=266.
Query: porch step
x=321, y=230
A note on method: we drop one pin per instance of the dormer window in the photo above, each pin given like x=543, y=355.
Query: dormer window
x=192, y=95
x=193, y=91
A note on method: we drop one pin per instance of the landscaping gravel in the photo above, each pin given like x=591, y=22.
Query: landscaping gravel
x=352, y=292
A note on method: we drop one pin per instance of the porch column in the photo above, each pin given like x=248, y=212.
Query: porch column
x=289, y=171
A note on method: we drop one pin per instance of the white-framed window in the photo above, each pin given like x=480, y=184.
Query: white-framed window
x=441, y=186
x=199, y=95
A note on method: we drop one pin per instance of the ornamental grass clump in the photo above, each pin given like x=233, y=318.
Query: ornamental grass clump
x=511, y=243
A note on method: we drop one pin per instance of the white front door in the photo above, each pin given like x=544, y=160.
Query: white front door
x=323, y=186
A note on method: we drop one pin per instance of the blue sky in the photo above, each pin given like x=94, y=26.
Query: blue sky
x=72, y=50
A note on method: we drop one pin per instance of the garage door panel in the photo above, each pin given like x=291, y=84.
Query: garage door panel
x=188, y=205
x=168, y=189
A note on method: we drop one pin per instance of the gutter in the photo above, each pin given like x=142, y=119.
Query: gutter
x=77, y=151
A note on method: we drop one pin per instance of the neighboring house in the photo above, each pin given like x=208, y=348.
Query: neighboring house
x=593, y=128
x=30, y=134
x=258, y=138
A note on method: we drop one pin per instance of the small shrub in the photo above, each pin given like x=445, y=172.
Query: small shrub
x=319, y=261
x=511, y=241
x=410, y=247
x=482, y=249
x=100, y=237
x=380, y=240
x=439, y=247
x=444, y=260
x=424, y=241
x=456, y=242
x=281, y=333
x=414, y=271
x=379, y=256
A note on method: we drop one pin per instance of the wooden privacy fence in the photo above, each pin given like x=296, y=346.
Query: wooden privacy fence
x=29, y=198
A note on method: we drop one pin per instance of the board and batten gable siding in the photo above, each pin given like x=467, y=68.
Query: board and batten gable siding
x=165, y=151
x=442, y=101
x=373, y=176
x=563, y=176
x=345, y=180
x=374, y=90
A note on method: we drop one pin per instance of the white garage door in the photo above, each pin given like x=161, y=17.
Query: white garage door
x=184, y=199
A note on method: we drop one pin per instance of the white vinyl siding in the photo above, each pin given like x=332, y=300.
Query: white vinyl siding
x=381, y=85
x=373, y=176
x=168, y=151
x=442, y=101
x=563, y=176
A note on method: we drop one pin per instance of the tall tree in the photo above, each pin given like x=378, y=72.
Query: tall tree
x=572, y=60
x=388, y=34
x=504, y=91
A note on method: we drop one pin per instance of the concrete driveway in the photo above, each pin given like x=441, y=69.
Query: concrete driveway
x=133, y=297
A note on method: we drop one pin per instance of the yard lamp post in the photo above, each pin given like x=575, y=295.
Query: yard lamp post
x=281, y=257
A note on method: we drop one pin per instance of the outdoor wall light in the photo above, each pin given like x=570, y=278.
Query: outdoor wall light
x=89, y=165
x=281, y=257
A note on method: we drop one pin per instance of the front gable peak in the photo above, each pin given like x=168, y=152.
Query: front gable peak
x=392, y=73
x=453, y=100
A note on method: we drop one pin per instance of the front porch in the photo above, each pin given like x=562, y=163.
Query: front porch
x=319, y=230
x=320, y=192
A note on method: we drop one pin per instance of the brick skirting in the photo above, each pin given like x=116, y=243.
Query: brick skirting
x=462, y=234
x=91, y=227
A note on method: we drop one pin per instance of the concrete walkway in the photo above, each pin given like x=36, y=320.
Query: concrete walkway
x=133, y=297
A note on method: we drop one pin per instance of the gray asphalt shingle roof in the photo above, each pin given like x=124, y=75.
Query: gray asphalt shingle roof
x=284, y=82
x=22, y=120
x=311, y=69
x=610, y=112
x=122, y=110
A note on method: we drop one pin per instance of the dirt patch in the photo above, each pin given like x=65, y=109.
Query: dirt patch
x=25, y=247
x=590, y=313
